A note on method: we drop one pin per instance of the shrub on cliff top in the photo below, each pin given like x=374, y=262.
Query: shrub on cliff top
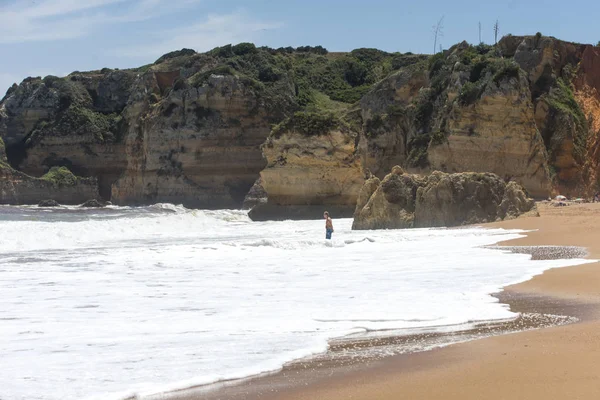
x=506, y=69
x=243, y=48
x=405, y=60
x=60, y=176
x=310, y=49
x=469, y=94
x=369, y=55
x=308, y=124
x=173, y=54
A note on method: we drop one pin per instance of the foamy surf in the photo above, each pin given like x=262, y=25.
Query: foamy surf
x=121, y=301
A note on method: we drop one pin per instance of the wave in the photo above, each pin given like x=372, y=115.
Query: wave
x=300, y=244
x=32, y=228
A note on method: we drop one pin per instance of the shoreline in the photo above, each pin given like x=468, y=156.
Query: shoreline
x=373, y=378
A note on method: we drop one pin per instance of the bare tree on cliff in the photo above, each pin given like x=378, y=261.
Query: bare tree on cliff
x=496, y=30
x=438, y=32
x=479, y=31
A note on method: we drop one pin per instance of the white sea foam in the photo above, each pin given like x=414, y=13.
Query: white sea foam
x=108, y=303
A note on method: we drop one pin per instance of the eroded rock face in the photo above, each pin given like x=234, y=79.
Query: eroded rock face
x=440, y=199
x=521, y=111
x=199, y=146
x=389, y=120
x=496, y=134
x=306, y=175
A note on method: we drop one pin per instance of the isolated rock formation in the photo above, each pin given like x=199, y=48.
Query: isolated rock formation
x=93, y=203
x=437, y=200
x=310, y=171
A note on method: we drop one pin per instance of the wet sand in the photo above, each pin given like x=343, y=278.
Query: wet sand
x=560, y=362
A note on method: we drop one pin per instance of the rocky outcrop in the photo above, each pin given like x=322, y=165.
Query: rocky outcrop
x=438, y=200
x=72, y=122
x=307, y=172
x=48, y=203
x=18, y=188
x=257, y=195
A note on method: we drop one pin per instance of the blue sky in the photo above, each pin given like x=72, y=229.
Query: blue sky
x=42, y=37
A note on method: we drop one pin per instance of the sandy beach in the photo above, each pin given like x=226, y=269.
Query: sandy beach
x=553, y=363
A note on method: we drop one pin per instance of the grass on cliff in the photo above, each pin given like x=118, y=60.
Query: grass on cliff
x=342, y=77
x=562, y=100
x=308, y=124
x=60, y=176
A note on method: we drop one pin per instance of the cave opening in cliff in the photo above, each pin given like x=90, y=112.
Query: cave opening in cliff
x=16, y=153
x=238, y=190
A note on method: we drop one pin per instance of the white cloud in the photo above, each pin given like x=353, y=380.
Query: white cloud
x=47, y=20
x=215, y=30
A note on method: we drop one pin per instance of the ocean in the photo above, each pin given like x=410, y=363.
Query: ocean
x=115, y=302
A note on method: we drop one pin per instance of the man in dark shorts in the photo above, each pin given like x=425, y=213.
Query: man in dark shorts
x=328, y=225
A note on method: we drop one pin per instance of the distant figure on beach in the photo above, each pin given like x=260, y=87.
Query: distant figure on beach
x=328, y=225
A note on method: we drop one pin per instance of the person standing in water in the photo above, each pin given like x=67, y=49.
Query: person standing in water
x=328, y=225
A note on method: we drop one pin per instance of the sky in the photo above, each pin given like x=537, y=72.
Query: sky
x=56, y=37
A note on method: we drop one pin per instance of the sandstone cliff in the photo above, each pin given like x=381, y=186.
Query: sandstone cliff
x=196, y=129
x=411, y=201
x=466, y=110
x=72, y=122
x=312, y=165
x=524, y=110
x=187, y=129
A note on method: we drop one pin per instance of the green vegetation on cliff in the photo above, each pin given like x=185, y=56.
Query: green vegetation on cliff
x=60, y=176
x=79, y=120
x=313, y=72
x=308, y=124
x=561, y=98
